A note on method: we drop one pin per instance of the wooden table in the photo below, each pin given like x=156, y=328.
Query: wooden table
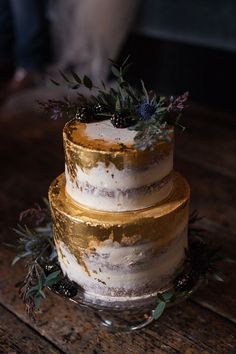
x=31, y=156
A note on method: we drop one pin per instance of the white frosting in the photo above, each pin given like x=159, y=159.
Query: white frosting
x=113, y=268
x=106, y=131
x=110, y=189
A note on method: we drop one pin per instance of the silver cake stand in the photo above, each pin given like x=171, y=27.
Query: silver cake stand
x=129, y=315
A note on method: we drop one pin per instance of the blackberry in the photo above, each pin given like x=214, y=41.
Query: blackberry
x=84, y=114
x=121, y=120
x=66, y=287
x=185, y=281
x=99, y=109
x=145, y=111
x=50, y=267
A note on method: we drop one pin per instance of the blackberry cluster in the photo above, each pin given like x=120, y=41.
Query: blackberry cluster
x=121, y=120
x=66, y=288
x=84, y=114
x=88, y=114
x=185, y=281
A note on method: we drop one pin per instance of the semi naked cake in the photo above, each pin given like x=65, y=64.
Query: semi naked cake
x=120, y=215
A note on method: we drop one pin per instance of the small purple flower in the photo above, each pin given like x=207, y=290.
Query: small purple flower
x=177, y=104
x=56, y=113
x=34, y=217
x=145, y=111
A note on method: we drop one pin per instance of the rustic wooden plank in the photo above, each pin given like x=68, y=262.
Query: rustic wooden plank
x=212, y=194
x=17, y=337
x=182, y=329
x=220, y=296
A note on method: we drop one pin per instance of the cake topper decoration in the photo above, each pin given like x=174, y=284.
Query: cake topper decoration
x=151, y=115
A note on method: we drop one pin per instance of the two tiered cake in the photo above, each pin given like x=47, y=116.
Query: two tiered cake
x=119, y=214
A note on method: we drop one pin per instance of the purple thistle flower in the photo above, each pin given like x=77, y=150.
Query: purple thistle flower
x=145, y=111
x=177, y=104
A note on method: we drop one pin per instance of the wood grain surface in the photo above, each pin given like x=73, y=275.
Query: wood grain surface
x=16, y=337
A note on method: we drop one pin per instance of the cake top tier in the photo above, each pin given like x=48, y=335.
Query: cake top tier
x=105, y=171
x=87, y=145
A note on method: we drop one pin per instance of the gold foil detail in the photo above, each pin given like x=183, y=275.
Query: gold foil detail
x=86, y=153
x=83, y=229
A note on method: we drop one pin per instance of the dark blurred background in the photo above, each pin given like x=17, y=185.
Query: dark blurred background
x=187, y=45
x=175, y=45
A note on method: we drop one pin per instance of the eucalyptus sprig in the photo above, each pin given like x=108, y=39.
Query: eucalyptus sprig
x=36, y=246
x=149, y=133
x=33, y=288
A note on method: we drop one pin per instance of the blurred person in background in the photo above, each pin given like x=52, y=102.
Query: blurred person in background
x=85, y=33
x=93, y=31
x=24, y=43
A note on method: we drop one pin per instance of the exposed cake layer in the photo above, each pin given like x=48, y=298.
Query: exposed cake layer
x=120, y=256
x=105, y=172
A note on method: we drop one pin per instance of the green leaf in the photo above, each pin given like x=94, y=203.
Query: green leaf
x=64, y=76
x=103, y=85
x=118, y=104
x=18, y=232
x=126, y=68
x=161, y=110
x=168, y=295
x=217, y=277
x=42, y=294
x=145, y=91
x=37, y=301
x=158, y=310
x=41, y=280
x=125, y=61
x=115, y=71
x=87, y=82
x=76, y=77
x=20, y=256
x=55, y=82
x=33, y=290
x=74, y=86
x=53, y=277
x=15, y=260
x=10, y=245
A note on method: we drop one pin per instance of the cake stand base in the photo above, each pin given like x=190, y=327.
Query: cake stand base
x=125, y=321
x=129, y=316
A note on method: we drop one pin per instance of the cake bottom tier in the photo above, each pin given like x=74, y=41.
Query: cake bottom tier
x=115, y=257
